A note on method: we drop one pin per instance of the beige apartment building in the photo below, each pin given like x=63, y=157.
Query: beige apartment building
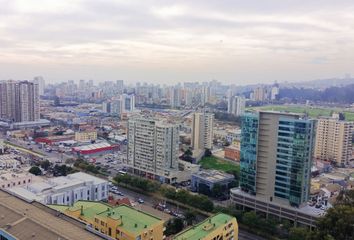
x=334, y=140
x=202, y=131
x=86, y=136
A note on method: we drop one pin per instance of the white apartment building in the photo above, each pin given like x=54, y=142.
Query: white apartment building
x=236, y=105
x=334, y=140
x=64, y=190
x=202, y=131
x=153, y=148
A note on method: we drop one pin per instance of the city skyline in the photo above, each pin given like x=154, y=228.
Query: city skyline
x=165, y=42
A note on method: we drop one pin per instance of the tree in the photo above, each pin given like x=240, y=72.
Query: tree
x=298, y=234
x=250, y=219
x=188, y=152
x=174, y=226
x=190, y=216
x=45, y=164
x=346, y=197
x=337, y=223
x=207, y=153
x=35, y=171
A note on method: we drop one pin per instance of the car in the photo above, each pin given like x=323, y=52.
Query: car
x=140, y=200
x=167, y=210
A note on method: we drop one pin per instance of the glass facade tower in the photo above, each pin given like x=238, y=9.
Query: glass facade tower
x=276, y=156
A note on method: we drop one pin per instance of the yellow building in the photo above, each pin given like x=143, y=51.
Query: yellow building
x=219, y=226
x=121, y=222
x=86, y=136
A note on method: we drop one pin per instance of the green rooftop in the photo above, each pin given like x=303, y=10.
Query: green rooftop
x=202, y=229
x=133, y=220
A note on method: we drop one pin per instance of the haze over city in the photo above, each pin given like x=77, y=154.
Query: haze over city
x=235, y=42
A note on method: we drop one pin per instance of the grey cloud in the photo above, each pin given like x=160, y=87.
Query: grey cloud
x=219, y=34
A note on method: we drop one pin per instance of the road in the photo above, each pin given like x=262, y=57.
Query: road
x=150, y=202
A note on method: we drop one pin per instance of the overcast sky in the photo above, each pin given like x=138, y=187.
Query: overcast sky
x=236, y=41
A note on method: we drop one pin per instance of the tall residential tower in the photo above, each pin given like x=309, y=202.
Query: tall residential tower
x=19, y=101
x=202, y=131
x=334, y=140
x=153, y=148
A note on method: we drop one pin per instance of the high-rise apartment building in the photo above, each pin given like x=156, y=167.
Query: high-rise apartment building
x=202, y=131
x=276, y=157
x=120, y=86
x=19, y=101
x=128, y=101
x=334, y=140
x=260, y=94
x=175, y=97
x=236, y=105
x=152, y=148
x=41, y=84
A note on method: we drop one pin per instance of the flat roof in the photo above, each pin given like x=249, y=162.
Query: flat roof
x=26, y=221
x=204, y=228
x=86, y=177
x=213, y=175
x=134, y=221
x=92, y=146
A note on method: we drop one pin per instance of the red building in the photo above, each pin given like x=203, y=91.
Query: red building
x=95, y=148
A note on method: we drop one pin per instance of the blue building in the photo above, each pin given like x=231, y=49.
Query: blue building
x=204, y=181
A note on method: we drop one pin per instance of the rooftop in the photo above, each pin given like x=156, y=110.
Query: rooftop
x=26, y=221
x=204, y=228
x=92, y=146
x=133, y=220
x=213, y=175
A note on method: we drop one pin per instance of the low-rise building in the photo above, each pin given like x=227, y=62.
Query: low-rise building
x=219, y=226
x=207, y=179
x=232, y=152
x=64, y=190
x=11, y=179
x=9, y=161
x=51, y=140
x=86, y=136
x=121, y=222
x=97, y=148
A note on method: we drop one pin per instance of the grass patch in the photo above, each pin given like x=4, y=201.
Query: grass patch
x=213, y=162
x=312, y=111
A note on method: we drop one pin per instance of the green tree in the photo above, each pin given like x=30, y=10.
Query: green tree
x=337, y=223
x=174, y=226
x=188, y=152
x=250, y=219
x=298, y=234
x=207, y=153
x=35, y=171
x=45, y=164
x=346, y=197
x=190, y=216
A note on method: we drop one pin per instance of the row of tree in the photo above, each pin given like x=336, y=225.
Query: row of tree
x=194, y=200
x=138, y=182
